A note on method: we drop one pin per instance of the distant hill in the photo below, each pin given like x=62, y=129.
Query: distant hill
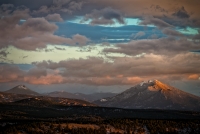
x=48, y=101
x=153, y=95
x=87, y=97
x=31, y=100
x=22, y=89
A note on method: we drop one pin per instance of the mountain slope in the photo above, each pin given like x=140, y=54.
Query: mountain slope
x=22, y=89
x=153, y=95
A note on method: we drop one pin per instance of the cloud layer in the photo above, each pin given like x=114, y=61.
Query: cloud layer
x=154, y=47
x=97, y=71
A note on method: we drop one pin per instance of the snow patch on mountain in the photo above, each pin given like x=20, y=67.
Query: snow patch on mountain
x=103, y=100
x=22, y=87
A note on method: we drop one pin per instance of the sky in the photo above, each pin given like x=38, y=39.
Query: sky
x=93, y=46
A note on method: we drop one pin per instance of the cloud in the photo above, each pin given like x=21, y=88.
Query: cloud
x=4, y=53
x=155, y=21
x=34, y=33
x=80, y=39
x=164, y=58
x=6, y=9
x=45, y=80
x=60, y=6
x=104, y=16
x=58, y=48
x=98, y=71
x=196, y=37
x=166, y=9
x=172, y=32
x=158, y=8
x=54, y=17
x=39, y=25
x=162, y=46
x=193, y=77
x=60, y=3
x=36, y=72
x=39, y=76
x=10, y=73
x=139, y=34
x=119, y=72
x=42, y=10
x=181, y=13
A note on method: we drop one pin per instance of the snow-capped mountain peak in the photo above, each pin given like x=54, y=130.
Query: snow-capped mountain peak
x=22, y=87
x=153, y=94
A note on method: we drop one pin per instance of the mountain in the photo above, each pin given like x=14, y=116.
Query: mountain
x=22, y=89
x=153, y=95
x=32, y=100
x=87, y=97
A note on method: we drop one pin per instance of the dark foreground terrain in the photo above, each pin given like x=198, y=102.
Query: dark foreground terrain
x=98, y=125
x=57, y=118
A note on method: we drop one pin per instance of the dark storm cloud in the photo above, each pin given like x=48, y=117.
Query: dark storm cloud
x=104, y=16
x=181, y=13
x=162, y=46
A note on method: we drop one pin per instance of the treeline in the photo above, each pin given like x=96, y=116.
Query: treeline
x=111, y=126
